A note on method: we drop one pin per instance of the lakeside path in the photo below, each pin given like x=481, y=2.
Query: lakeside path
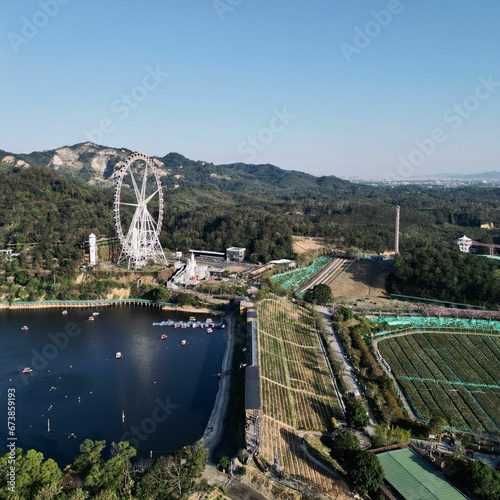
x=214, y=429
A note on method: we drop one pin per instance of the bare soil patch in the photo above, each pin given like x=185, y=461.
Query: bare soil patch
x=363, y=280
x=304, y=244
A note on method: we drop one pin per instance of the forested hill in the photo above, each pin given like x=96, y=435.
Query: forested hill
x=95, y=164
x=47, y=216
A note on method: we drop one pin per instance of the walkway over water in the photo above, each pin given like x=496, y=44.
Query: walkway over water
x=42, y=304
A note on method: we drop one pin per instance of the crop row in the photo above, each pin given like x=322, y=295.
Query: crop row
x=284, y=444
x=296, y=366
x=452, y=364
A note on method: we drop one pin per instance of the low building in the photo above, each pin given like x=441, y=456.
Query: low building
x=235, y=254
x=290, y=264
x=412, y=478
x=190, y=273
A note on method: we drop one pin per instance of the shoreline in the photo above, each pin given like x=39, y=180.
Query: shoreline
x=214, y=429
x=188, y=309
x=12, y=306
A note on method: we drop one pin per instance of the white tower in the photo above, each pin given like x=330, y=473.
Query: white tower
x=92, y=249
x=464, y=244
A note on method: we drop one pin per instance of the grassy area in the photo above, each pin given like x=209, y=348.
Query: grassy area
x=320, y=448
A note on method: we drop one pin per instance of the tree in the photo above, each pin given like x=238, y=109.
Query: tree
x=224, y=463
x=356, y=412
x=78, y=494
x=437, y=424
x=48, y=492
x=345, y=442
x=366, y=473
x=175, y=476
x=483, y=481
x=116, y=471
x=89, y=463
x=385, y=435
x=320, y=294
x=344, y=313
x=34, y=475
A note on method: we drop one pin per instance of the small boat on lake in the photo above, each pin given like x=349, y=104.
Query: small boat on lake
x=95, y=313
x=91, y=318
x=209, y=330
x=169, y=322
x=192, y=318
x=118, y=355
x=27, y=370
x=24, y=328
x=164, y=336
x=183, y=342
x=64, y=312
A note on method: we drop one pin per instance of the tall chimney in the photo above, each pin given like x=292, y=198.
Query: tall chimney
x=396, y=233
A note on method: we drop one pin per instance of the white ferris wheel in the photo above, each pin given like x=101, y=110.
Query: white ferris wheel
x=140, y=243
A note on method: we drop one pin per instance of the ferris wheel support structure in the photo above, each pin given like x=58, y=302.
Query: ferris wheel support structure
x=141, y=243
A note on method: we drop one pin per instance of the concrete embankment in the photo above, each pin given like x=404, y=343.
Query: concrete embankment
x=214, y=429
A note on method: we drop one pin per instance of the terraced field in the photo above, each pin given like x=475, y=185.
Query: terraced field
x=296, y=389
x=456, y=375
x=297, y=277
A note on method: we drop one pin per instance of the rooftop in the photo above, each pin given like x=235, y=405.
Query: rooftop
x=414, y=479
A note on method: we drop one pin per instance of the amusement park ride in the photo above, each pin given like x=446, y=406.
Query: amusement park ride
x=140, y=243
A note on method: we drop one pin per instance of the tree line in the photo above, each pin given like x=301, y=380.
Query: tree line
x=105, y=474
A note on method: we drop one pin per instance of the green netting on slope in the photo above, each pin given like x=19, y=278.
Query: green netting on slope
x=297, y=277
x=434, y=322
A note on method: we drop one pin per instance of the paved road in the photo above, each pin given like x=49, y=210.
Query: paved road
x=349, y=375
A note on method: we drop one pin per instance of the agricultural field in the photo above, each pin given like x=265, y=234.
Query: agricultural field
x=296, y=389
x=297, y=277
x=283, y=442
x=456, y=375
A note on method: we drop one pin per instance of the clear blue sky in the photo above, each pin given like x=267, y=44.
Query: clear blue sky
x=328, y=87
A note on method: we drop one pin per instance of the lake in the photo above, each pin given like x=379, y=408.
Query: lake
x=163, y=391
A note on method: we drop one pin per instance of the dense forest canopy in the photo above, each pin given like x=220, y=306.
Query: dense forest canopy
x=446, y=274
x=48, y=217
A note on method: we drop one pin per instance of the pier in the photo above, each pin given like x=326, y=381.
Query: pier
x=65, y=304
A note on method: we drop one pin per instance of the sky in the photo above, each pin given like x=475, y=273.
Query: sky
x=368, y=88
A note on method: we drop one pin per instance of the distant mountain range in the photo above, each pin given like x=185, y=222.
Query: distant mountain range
x=95, y=164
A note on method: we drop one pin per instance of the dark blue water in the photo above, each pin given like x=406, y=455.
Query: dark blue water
x=165, y=390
